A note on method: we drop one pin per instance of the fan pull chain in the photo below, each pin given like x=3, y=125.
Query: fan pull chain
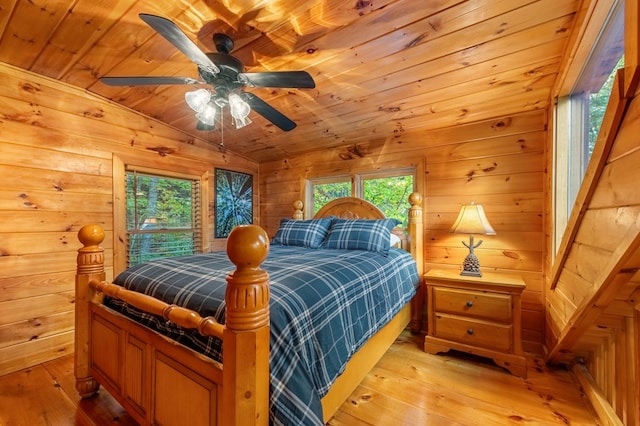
x=222, y=126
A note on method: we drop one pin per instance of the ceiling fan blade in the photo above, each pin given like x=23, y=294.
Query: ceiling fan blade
x=292, y=79
x=147, y=81
x=268, y=112
x=179, y=39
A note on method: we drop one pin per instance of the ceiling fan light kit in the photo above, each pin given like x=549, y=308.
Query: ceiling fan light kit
x=207, y=115
x=197, y=99
x=225, y=74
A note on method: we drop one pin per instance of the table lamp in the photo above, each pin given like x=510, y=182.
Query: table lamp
x=472, y=220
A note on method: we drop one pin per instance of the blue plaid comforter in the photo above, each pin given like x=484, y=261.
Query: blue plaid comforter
x=324, y=306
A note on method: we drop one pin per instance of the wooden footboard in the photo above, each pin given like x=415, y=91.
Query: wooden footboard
x=151, y=375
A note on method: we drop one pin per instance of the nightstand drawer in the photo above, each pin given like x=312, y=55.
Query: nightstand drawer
x=478, y=304
x=476, y=333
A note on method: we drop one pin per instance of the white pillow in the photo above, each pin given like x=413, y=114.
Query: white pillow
x=394, y=240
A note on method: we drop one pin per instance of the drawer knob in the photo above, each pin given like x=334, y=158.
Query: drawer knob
x=470, y=331
x=469, y=304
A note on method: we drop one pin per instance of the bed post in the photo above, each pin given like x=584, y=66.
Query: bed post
x=245, y=357
x=298, y=214
x=90, y=266
x=416, y=247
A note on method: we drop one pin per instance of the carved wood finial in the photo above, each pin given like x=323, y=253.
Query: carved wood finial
x=415, y=211
x=297, y=210
x=247, y=294
x=91, y=255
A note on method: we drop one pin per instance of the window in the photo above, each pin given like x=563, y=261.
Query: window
x=579, y=113
x=162, y=216
x=326, y=189
x=388, y=190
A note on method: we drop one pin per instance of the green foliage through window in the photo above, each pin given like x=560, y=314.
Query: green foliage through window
x=598, y=104
x=325, y=192
x=160, y=217
x=390, y=194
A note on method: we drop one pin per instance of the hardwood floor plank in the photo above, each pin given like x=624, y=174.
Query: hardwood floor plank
x=99, y=410
x=32, y=397
x=407, y=387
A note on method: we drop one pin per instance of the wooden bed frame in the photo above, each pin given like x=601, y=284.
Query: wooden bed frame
x=152, y=376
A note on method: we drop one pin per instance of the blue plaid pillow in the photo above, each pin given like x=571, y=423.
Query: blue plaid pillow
x=361, y=234
x=304, y=233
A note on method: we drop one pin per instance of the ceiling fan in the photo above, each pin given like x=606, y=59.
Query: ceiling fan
x=225, y=74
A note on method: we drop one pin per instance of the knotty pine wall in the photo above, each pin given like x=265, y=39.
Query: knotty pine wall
x=57, y=146
x=499, y=163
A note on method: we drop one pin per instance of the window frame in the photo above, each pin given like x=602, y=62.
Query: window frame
x=119, y=169
x=196, y=223
x=357, y=182
x=570, y=138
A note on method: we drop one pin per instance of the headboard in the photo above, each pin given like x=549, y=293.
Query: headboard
x=350, y=208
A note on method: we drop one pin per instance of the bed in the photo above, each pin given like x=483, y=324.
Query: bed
x=169, y=364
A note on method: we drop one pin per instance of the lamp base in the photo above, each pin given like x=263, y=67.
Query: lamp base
x=471, y=266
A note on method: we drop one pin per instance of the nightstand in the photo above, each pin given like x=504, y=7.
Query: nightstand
x=477, y=315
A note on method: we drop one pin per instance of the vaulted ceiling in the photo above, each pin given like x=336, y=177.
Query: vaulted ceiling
x=382, y=68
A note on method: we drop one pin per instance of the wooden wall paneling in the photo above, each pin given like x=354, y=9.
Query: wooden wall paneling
x=34, y=221
x=56, y=174
x=518, y=183
x=29, y=330
x=586, y=262
x=24, y=176
x=621, y=174
x=564, y=306
x=22, y=355
x=47, y=160
x=30, y=285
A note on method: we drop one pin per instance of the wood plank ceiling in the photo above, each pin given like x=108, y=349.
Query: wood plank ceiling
x=383, y=68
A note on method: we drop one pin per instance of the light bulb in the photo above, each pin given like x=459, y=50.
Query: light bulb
x=197, y=99
x=239, y=110
x=207, y=115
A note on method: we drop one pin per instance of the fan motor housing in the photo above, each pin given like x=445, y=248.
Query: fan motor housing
x=227, y=78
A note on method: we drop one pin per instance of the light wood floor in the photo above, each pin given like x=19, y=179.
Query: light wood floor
x=407, y=387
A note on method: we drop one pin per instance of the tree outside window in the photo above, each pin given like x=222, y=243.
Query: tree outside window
x=161, y=219
x=388, y=190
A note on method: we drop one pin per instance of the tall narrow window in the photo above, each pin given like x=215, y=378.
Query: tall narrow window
x=581, y=107
x=590, y=95
x=162, y=216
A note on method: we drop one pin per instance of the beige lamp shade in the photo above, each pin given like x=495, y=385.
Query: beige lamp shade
x=472, y=220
